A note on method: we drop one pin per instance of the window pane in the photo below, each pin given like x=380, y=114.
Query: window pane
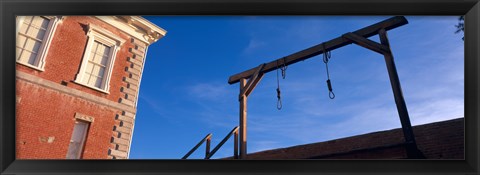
x=28, y=57
x=93, y=57
x=32, y=32
x=89, y=68
x=40, y=22
x=101, y=71
x=21, y=41
x=96, y=70
x=104, y=60
x=40, y=35
x=100, y=53
x=18, y=52
x=104, y=51
x=91, y=80
x=29, y=44
x=31, y=59
x=98, y=82
x=32, y=45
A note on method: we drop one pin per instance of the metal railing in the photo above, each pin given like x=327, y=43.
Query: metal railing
x=207, y=138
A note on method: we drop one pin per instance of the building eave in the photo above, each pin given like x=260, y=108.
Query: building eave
x=136, y=26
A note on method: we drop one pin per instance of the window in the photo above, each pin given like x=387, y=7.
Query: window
x=96, y=65
x=99, y=56
x=77, y=142
x=34, y=34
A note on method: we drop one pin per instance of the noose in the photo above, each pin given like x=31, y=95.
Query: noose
x=326, y=57
x=279, y=97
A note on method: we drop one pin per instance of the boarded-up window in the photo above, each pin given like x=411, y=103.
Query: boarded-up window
x=77, y=142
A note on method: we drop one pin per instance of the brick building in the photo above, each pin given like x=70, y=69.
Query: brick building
x=77, y=84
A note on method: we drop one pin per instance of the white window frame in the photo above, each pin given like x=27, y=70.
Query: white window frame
x=103, y=36
x=43, y=50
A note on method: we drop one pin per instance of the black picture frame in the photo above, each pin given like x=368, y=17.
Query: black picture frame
x=9, y=9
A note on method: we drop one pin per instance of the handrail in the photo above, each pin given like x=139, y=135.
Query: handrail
x=235, y=150
x=208, y=139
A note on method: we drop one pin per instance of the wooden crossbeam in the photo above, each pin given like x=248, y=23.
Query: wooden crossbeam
x=333, y=44
x=252, y=82
x=369, y=44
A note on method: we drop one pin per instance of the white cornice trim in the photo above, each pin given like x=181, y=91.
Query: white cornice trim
x=136, y=26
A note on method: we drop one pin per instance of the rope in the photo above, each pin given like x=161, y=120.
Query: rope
x=283, y=68
x=279, y=98
x=326, y=57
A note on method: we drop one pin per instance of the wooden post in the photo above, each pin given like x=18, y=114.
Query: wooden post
x=235, y=145
x=243, y=120
x=411, y=145
x=207, y=147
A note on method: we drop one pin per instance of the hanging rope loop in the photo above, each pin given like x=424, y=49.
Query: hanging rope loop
x=330, y=94
x=326, y=57
x=279, y=97
x=279, y=101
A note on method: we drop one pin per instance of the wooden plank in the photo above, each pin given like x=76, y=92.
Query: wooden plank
x=412, y=150
x=235, y=145
x=252, y=82
x=333, y=44
x=196, y=146
x=243, y=121
x=207, y=147
x=369, y=44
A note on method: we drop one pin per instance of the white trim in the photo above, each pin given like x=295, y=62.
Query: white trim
x=136, y=100
x=43, y=50
x=103, y=36
x=83, y=117
x=137, y=27
x=149, y=24
x=140, y=76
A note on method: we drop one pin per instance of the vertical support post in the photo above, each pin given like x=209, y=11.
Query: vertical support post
x=411, y=145
x=235, y=145
x=207, y=147
x=243, y=120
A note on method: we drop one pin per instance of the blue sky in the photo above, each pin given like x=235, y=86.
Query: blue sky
x=184, y=93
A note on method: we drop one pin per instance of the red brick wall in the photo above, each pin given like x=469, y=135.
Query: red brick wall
x=43, y=113
x=66, y=52
x=440, y=140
